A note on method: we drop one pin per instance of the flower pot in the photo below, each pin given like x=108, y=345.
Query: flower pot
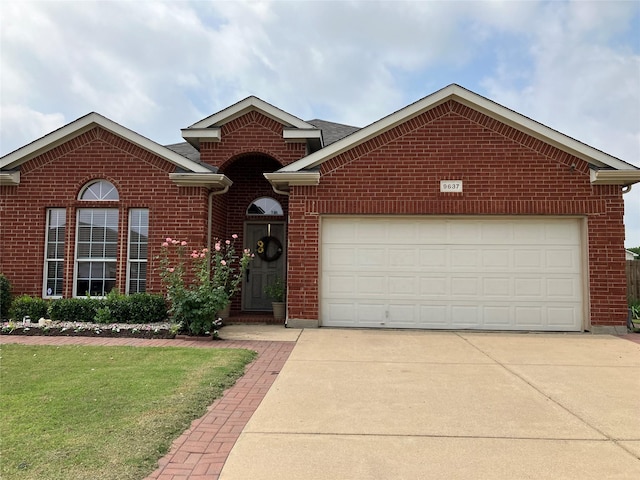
x=279, y=310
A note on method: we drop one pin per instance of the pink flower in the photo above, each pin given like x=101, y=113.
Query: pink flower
x=228, y=242
x=202, y=255
x=205, y=250
x=223, y=262
x=168, y=239
x=175, y=242
x=165, y=244
x=246, y=251
x=234, y=236
x=217, y=247
x=183, y=243
x=171, y=270
x=194, y=255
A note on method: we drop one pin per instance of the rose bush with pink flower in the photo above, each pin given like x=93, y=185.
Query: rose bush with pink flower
x=200, y=283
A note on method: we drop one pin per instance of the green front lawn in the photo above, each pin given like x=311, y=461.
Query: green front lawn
x=103, y=412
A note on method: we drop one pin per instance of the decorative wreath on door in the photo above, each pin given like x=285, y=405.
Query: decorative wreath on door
x=269, y=248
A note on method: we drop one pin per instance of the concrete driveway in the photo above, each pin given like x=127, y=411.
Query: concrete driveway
x=360, y=404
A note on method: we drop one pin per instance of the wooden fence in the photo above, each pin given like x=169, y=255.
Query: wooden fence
x=633, y=280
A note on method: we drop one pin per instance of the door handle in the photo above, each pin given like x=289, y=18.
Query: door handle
x=247, y=274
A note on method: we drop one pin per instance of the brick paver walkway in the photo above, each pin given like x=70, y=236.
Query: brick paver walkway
x=200, y=452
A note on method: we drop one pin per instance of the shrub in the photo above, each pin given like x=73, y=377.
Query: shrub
x=147, y=308
x=115, y=308
x=75, y=309
x=5, y=296
x=33, y=307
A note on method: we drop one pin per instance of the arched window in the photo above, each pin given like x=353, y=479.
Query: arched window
x=265, y=206
x=100, y=190
x=96, y=241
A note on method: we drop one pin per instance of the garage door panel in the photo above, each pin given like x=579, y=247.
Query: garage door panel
x=529, y=316
x=403, y=286
x=403, y=257
x=460, y=232
x=337, y=257
x=434, y=257
x=464, y=257
x=434, y=316
x=497, y=317
x=371, y=284
x=433, y=286
x=472, y=273
x=496, y=287
x=562, y=288
x=465, y=316
x=561, y=318
x=433, y=233
x=561, y=259
x=496, y=258
x=464, y=286
x=371, y=257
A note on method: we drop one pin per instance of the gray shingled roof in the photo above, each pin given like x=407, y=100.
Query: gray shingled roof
x=332, y=132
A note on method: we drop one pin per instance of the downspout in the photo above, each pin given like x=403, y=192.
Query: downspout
x=210, y=213
x=279, y=192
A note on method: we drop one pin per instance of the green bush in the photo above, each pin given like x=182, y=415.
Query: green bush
x=33, y=307
x=146, y=308
x=115, y=308
x=5, y=296
x=75, y=309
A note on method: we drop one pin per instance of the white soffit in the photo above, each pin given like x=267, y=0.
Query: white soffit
x=476, y=102
x=86, y=123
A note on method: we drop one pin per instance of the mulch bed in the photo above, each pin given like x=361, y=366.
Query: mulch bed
x=78, y=329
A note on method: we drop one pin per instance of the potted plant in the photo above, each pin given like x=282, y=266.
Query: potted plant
x=275, y=291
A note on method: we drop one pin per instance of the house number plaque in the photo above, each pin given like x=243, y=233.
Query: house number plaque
x=451, y=186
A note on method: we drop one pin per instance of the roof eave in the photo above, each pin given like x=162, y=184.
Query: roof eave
x=615, y=177
x=285, y=180
x=209, y=180
x=10, y=178
x=197, y=135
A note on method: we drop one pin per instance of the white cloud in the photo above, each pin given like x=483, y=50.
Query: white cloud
x=156, y=67
x=582, y=83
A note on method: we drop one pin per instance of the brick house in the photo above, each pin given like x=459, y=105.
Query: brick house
x=451, y=213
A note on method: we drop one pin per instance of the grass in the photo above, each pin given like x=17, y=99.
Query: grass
x=103, y=412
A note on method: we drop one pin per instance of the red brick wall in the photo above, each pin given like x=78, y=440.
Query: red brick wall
x=55, y=178
x=252, y=133
x=505, y=172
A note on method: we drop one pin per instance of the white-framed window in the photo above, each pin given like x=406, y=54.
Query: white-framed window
x=138, y=246
x=96, y=251
x=99, y=190
x=54, y=253
x=265, y=206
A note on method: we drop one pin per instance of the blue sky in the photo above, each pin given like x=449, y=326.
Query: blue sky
x=156, y=67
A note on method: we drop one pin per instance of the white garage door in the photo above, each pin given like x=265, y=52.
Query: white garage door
x=452, y=273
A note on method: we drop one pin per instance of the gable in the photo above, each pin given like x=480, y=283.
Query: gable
x=604, y=168
x=210, y=128
x=66, y=139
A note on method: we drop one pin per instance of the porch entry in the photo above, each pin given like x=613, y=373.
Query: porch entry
x=267, y=241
